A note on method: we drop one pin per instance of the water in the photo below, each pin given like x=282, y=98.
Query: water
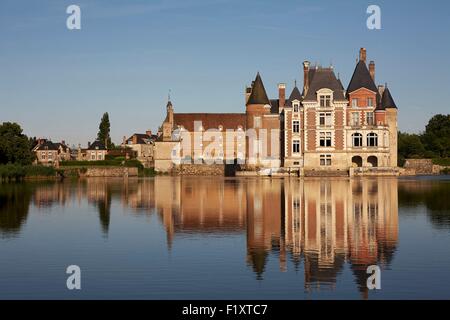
x=226, y=238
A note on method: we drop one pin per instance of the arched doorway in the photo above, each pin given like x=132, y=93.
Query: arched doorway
x=373, y=161
x=357, y=161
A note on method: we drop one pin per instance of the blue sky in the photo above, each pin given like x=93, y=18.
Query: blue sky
x=57, y=83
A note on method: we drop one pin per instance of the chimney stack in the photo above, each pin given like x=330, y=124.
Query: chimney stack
x=281, y=95
x=306, y=65
x=372, y=70
x=89, y=144
x=363, y=55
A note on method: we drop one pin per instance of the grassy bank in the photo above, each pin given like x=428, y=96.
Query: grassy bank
x=18, y=172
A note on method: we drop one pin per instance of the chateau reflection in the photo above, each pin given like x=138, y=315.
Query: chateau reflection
x=315, y=226
x=327, y=223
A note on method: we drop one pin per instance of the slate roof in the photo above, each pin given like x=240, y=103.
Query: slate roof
x=210, y=120
x=386, y=100
x=295, y=95
x=141, y=138
x=258, y=94
x=361, y=79
x=97, y=145
x=321, y=78
x=274, y=106
x=47, y=145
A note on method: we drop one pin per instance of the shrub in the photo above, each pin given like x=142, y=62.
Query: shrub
x=147, y=172
x=442, y=161
x=134, y=164
x=39, y=171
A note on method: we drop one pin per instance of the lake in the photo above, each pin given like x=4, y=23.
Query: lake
x=226, y=238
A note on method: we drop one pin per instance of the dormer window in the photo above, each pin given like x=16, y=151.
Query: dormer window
x=370, y=102
x=354, y=103
x=325, y=101
x=296, y=106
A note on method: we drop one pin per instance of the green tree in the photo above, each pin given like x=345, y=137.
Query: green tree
x=409, y=146
x=104, y=131
x=436, y=137
x=15, y=147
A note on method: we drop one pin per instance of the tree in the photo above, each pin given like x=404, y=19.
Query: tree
x=436, y=137
x=15, y=147
x=104, y=131
x=409, y=146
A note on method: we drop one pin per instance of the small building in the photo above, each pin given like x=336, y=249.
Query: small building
x=95, y=152
x=143, y=145
x=49, y=153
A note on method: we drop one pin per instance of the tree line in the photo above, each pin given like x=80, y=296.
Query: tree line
x=433, y=143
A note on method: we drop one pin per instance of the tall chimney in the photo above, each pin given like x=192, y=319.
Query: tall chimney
x=363, y=55
x=281, y=95
x=305, y=76
x=372, y=70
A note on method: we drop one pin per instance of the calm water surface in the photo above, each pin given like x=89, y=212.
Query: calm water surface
x=225, y=238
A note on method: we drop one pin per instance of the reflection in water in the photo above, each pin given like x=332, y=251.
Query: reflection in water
x=315, y=224
x=14, y=204
x=433, y=194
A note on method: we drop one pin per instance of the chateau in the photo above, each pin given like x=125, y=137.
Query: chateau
x=320, y=127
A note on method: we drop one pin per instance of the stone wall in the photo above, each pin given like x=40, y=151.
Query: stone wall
x=422, y=166
x=199, y=170
x=111, y=172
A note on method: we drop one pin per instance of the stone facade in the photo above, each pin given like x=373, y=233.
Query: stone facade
x=323, y=128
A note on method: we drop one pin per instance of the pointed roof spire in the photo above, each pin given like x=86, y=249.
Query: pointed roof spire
x=258, y=95
x=386, y=100
x=361, y=79
x=295, y=94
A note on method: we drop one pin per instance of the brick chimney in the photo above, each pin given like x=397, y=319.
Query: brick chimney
x=124, y=140
x=281, y=95
x=306, y=65
x=372, y=70
x=89, y=144
x=363, y=55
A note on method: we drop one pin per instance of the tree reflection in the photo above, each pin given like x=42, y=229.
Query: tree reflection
x=434, y=195
x=14, y=206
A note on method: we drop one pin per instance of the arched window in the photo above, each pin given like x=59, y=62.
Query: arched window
x=372, y=140
x=357, y=139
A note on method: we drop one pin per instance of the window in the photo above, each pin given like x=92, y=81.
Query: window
x=325, y=159
x=296, y=146
x=325, y=101
x=296, y=106
x=372, y=140
x=296, y=126
x=357, y=139
x=369, y=119
x=257, y=122
x=43, y=154
x=355, y=118
x=354, y=103
x=325, y=139
x=325, y=119
x=100, y=157
x=93, y=156
x=370, y=102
